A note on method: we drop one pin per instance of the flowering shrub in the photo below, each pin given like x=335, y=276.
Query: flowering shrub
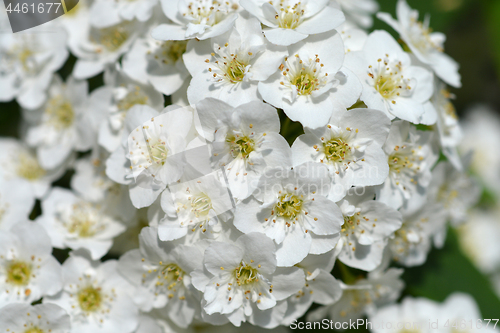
x=208, y=208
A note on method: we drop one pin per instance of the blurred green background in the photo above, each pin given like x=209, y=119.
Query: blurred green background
x=473, y=30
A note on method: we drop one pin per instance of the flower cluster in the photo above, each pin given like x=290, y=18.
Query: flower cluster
x=207, y=207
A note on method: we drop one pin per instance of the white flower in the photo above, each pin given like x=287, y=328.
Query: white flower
x=91, y=183
x=194, y=209
x=245, y=141
x=97, y=47
x=76, y=223
x=426, y=45
x=421, y=223
x=455, y=190
x=290, y=207
x=390, y=82
x=20, y=164
x=240, y=281
x=16, y=202
x=18, y=317
x=290, y=21
x=319, y=287
x=449, y=129
x=458, y=313
x=64, y=123
x=359, y=11
x=27, y=62
x=158, y=63
x=160, y=273
x=96, y=297
x=113, y=101
x=201, y=19
x=311, y=83
x=478, y=239
x=28, y=270
x=481, y=136
x=104, y=13
x=230, y=66
x=412, y=154
x=368, y=224
x=363, y=297
x=416, y=313
x=350, y=146
x=156, y=153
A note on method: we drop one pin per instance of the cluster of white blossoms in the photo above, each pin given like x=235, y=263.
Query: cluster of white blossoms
x=193, y=202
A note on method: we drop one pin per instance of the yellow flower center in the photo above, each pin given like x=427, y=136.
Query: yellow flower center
x=289, y=206
x=90, y=299
x=60, y=112
x=172, y=274
x=34, y=330
x=336, y=149
x=18, y=273
x=169, y=52
x=201, y=205
x=288, y=17
x=159, y=153
x=209, y=12
x=111, y=38
x=388, y=80
x=240, y=145
x=404, y=161
x=303, y=75
x=135, y=97
x=28, y=167
x=84, y=221
x=245, y=274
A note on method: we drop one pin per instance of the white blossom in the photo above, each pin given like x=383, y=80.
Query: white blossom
x=319, y=287
x=230, y=66
x=159, y=63
x=195, y=209
x=160, y=273
x=350, y=146
x=412, y=154
x=362, y=297
x=28, y=60
x=290, y=21
x=20, y=164
x=312, y=83
x=95, y=296
x=201, y=19
x=291, y=207
x=28, y=270
x=16, y=202
x=63, y=124
x=390, y=82
x=240, y=281
x=18, y=317
x=245, y=141
x=78, y=224
x=426, y=45
x=112, y=102
x=368, y=225
x=97, y=47
x=412, y=242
